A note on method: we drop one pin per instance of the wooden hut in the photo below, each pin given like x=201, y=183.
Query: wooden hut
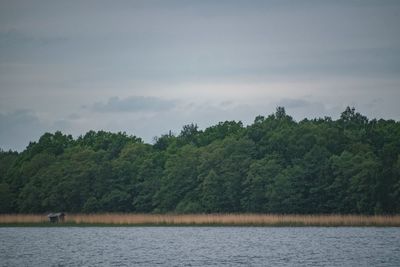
x=56, y=217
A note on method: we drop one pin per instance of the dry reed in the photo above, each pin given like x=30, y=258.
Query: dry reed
x=207, y=219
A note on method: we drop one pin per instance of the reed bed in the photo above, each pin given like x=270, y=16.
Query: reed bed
x=22, y=218
x=114, y=219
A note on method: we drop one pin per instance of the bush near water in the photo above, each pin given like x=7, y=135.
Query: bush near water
x=275, y=165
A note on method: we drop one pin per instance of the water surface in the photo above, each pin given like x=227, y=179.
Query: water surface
x=199, y=246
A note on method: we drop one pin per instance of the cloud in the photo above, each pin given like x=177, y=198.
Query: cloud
x=18, y=46
x=61, y=125
x=300, y=108
x=18, y=128
x=13, y=36
x=219, y=61
x=134, y=104
x=74, y=116
x=293, y=103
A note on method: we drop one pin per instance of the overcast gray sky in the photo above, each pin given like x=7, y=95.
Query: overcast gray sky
x=146, y=67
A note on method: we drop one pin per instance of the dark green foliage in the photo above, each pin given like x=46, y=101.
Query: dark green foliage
x=6, y=199
x=275, y=165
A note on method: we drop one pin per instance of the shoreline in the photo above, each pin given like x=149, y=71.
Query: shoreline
x=200, y=220
x=49, y=225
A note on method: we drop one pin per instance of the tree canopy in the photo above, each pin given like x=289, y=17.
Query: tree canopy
x=275, y=165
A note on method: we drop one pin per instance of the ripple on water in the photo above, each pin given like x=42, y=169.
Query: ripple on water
x=199, y=246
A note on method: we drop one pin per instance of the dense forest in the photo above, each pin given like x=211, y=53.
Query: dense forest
x=275, y=165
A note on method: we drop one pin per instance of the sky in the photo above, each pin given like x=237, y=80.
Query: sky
x=147, y=67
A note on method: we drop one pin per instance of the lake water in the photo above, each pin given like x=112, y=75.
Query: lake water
x=199, y=246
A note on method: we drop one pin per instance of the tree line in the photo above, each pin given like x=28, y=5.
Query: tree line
x=275, y=165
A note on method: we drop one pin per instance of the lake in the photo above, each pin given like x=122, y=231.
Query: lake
x=199, y=246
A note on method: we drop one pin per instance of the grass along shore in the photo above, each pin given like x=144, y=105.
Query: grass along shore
x=126, y=219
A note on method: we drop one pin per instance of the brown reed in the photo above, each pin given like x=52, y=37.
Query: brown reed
x=207, y=219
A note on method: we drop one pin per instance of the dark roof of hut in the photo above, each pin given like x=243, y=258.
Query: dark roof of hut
x=57, y=214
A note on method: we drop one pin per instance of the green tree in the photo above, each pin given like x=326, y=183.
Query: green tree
x=6, y=199
x=349, y=165
x=179, y=178
x=212, y=193
x=261, y=175
x=116, y=201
